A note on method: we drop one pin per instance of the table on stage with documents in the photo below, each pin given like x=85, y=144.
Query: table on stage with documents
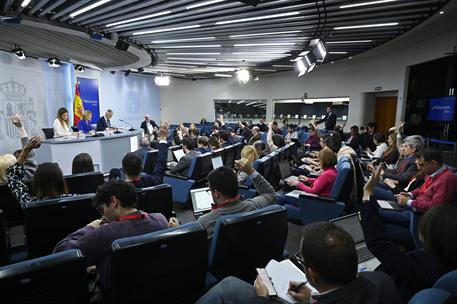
x=106, y=151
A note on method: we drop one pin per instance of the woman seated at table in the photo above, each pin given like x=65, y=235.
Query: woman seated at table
x=84, y=124
x=61, y=124
x=313, y=141
x=322, y=185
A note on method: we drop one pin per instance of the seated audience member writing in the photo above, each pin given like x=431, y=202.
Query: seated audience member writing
x=367, y=137
x=379, y=140
x=261, y=148
x=116, y=201
x=249, y=154
x=149, y=126
x=224, y=139
x=418, y=269
x=328, y=258
x=82, y=163
x=145, y=147
x=61, y=124
x=330, y=142
x=132, y=165
x=47, y=183
x=440, y=185
x=255, y=135
x=391, y=155
x=313, y=141
x=235, y=137
x=84, y=124
x=355, y=139
x=104, y=122
x=223, y=185
x=188, y=146
x=213, y=143
x=202, y=145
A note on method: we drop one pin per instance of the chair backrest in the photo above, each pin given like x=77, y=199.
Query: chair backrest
x=200, y=166
x=150, y=161
x=230, y=154
x=48, y=222
x=147, y=267
x=448, y=282
x=431, y=295
x=84, y=182
x=274, y=176
x=156, y=199
x=48, y=133
x=241, y=242
x=56, y=278
x=342, y=181
x=4, y=247
x=12, y=209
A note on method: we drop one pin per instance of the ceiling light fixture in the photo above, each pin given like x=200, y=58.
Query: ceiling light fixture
x=243, y=76
x=88, y=8
x=203, y=4
x=240, y=102
x=258, y=18
x=18, y=52
x=265, y=44
x=197, y=59
x=282, y=66
x=54, y=62
x=366, y=3
x=349, y=42
x=365, y=26
x=190, y=46
x=182, y=40
x=138, y=18
x=251, y=103
x=170, y=29
x=265, y=34
x=25, y=3
x=336, y=53
x=178, y=54
x=223, y=75
x=265, y=70
x=161, y=80
x=80, y=68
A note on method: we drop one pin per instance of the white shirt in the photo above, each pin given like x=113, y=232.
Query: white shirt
x=59, y=130
x=379, y=152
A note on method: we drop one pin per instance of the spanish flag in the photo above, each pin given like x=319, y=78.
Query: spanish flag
x=78, y=109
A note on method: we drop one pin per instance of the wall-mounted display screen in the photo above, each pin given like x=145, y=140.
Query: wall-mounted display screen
x=441, y=109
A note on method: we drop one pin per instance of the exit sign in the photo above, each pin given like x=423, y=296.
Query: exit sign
x=378, y=88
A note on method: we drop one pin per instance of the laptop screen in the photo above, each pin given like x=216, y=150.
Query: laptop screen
x=284, y=169
x=178, y=154
x=201, y=199
x=170, y=156
x=351, y=224
x=217, y=162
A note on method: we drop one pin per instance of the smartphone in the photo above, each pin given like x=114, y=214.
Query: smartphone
x=266, y=281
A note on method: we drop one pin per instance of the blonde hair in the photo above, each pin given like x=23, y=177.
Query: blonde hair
x=6, y=161
x=249, y=154
x=86, y=113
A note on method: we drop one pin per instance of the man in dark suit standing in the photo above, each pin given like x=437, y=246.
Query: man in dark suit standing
x=105, y=121
x=330, y=119
x=149, y=126
x=182, y=167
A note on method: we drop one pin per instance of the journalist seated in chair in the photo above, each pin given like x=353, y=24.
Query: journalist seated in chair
x=223, y=184
x=418, y=269
x=47, y=183
x=82, y=163
x=248, y=153
x=213, y=143
x=379, y=139
x=329, y=259
x=225, y=139
x=202, y=145
x=322, y=185
x=84, y=124
x=145, y=147
x=116, y=201
x=182, y=167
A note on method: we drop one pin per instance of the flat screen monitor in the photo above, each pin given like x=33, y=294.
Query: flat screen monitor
x=441, y=109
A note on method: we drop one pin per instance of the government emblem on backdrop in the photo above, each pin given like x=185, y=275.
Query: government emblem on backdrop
x=14, y=99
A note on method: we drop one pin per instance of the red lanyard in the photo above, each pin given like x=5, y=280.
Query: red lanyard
x=236, y=198
x=132, y=217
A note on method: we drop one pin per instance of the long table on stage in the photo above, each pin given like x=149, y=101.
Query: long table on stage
x=106, y=151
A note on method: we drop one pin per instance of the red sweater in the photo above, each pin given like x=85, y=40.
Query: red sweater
x=322, y=185
x=441, y=189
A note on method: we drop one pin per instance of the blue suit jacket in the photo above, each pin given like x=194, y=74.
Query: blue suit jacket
x=102, y=124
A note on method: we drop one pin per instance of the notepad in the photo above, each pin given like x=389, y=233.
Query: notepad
x=385, y=204
x=281, y=273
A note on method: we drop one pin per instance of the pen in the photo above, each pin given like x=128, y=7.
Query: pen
x=296, y=289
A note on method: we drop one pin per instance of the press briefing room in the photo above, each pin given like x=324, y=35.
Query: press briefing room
x=228, y=151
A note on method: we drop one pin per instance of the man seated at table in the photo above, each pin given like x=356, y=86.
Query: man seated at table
x=104, y=122
x=182, y=167
x=116, y=201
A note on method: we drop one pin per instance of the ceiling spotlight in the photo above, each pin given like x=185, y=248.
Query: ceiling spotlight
x=18, y=52
x=54, y=62
x=318, y=49
x=80, y=68
x=256, y=78
x=243, y=76
x=113, y=72
x=306, y=64
x=161, y=80
x=441, y=12
x=127, y=73
x=140, y=70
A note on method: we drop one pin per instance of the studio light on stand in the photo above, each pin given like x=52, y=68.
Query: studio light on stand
x=307, y=60
x=162, y=80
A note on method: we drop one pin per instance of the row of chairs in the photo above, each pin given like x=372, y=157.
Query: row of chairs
x=49, y=221
x=168, y=266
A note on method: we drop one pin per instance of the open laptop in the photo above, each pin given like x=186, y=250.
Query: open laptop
x=217, y=162
x=351, y=224
x=284, y=170
x=178, y=154
x=202, y=200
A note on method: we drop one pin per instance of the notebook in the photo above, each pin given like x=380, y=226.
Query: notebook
x=351, y=223
x=217, y=162
x=202, y=200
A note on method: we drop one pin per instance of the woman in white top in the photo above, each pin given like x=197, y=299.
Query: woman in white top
x=379, y=139
x=61, y=124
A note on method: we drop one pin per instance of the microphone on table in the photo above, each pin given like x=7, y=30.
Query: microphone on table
x=129, y=124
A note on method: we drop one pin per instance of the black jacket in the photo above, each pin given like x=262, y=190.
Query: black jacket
x=184, y=163
x=367, y=141
x=330, y=121
x=412, y=271
x=103, y=124
x=145, y=127
x=369, y=287
x=356, y=142
x=406, y=169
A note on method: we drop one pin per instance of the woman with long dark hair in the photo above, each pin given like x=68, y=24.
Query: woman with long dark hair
x=61, y=124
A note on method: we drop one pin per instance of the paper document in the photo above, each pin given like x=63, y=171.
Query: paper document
x=281, y=274
x=385, y=204
x=295, y=193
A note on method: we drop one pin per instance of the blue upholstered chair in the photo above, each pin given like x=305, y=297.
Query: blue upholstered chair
x=156, y=199
x=199, y=168
x=241, y=242
x=442, y=290
x=56, y=278
x=314, y=208
x=170, y=265
x=448, y=282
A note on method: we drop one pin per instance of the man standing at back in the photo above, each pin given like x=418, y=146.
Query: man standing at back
x=329, y=119
x=104, y=122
